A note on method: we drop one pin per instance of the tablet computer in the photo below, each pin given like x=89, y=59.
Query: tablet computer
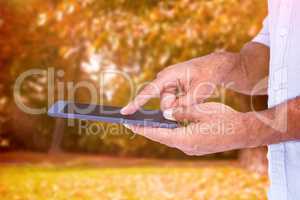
x=110, y=114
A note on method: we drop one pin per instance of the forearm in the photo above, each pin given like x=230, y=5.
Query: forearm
x=275, y=125
x=244, y=70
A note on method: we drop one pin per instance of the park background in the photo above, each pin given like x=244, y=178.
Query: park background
x=45, y=158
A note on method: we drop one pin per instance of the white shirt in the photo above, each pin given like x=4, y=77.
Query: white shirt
x=281, y=32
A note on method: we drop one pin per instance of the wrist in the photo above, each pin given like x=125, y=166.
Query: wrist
x=261, y=129
x=227, y=62
x=252, y=127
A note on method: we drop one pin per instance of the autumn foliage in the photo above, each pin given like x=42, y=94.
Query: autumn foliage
x=84, y=37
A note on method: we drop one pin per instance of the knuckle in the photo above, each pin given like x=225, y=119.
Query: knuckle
x=164, y=71
x=161, y=73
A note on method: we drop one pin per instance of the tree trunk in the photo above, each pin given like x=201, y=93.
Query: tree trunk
x=60, y=123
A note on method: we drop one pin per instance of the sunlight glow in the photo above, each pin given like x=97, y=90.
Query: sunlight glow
x=42, y=19
x=59, y=15
x=94, y=63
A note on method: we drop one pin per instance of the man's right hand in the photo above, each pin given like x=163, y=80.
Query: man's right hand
x=185, y=84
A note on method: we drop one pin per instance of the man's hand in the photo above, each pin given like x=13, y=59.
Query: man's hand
x=215, y=128
x=186, y=83
x=193, y=81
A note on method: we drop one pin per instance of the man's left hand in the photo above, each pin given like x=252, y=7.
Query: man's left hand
x=214, y=127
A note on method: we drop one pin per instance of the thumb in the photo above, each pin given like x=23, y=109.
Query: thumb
x=180, y=114
x=196, y=95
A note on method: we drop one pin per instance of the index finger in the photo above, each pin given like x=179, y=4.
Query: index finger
x=151, y=90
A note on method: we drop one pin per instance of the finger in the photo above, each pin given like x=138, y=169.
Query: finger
x=152, y=90
x=185, y=114
x=196, y=153
x=165, y=71
x=194, y=113
x=169, y=137
x=196, y=94
x=179, y=114
x=190, y=153
x=167, y=101
x=168, y=97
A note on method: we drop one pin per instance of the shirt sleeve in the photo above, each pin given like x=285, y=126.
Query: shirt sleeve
x=264, y=35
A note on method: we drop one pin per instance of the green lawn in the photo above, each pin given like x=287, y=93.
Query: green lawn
x=146, y=183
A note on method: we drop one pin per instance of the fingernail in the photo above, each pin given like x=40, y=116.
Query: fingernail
x=168, y=114
x=123, y=110
x=127, y=126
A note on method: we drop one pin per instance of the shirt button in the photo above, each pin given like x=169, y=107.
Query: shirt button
x=283, y=32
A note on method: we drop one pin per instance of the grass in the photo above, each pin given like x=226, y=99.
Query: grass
x=147, y=183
